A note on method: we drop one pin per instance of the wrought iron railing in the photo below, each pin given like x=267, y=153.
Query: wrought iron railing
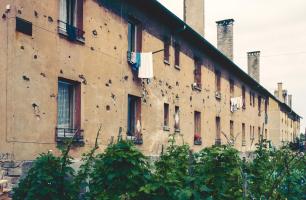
x=64, y=134
x=73, y=33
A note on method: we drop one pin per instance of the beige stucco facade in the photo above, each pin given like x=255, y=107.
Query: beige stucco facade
x=31, y=65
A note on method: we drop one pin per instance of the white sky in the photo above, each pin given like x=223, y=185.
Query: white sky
x=277, y=28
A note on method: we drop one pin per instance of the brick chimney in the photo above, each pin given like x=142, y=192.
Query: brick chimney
x=225, y=37
x=254, y=65
x=279, y=90
x=194, y=15
x=290, y=100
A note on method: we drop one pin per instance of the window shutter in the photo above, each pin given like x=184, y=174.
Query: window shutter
x=139, y=37
x=77, y=114
x=80, y=14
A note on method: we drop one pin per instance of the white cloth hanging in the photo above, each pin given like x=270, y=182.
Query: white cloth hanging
x=146, y=66
x=236, y=103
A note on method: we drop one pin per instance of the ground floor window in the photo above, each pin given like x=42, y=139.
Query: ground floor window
x=134, y=116
x=197, y=128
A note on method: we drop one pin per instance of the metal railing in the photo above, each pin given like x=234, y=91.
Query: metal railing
x=64, y=134
x=73, y=33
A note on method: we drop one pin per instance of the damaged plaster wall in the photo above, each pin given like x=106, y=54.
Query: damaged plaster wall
x=36, y=62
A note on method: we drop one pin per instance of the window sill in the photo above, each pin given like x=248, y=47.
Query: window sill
x=166, y=62
x=177, y=130
x=166, y=128
x=64, y=34
x=177, y=67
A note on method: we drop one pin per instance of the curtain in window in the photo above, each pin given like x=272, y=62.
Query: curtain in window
x=63, y=15
x=64, y=105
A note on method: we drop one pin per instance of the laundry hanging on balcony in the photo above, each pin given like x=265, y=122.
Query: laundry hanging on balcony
x=236, y=103
x=142, y=63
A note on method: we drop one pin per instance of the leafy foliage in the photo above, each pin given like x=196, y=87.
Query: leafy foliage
x=122, y=172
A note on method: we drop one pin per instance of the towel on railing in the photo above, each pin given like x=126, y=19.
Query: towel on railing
x=146, y=65
x=134, y=60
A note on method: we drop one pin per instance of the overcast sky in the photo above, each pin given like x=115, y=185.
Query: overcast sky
x=277, y=28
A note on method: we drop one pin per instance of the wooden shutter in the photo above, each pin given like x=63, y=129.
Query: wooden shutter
x=139, y=38
x=77, y=105
x=80, y=14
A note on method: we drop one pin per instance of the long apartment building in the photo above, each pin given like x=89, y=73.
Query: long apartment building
x=67, y=66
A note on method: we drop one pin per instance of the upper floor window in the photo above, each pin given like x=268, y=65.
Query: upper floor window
x=197, y=73
x=177, y=49
x=71, y=19
x=134, y=36
x=243, y=135
x=259, y=105
x=232, y=136
x=167, y=50
x=243, y=97
x=232, y=87
x=218, y=81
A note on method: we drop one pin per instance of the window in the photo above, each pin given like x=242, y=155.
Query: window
x=134, y=116
x=218, y=131
x=197, y=128
x=253, y=98
x=243, y=97
x=250, y=98
x=134, y=36
x=243, y=135
x=232, y=88
x=266, y=105
x=166, y=116
x=259, y=105
x=218, y=81
x=259, y=134
x=266, y=134
x=197, y=73
x=177, y=119
x=232, y=136
x=177, y=50
x=71, y=19
x=167, y=50
x=68, y=109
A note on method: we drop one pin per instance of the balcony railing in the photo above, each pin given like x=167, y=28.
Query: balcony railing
x=73, y=33
x=66, y=134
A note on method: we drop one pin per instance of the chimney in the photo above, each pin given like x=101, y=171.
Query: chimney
x=225, y=37
x=254, y=65
x=194, y=15
x=284, y=95
x=290, y=100
x=279, y=90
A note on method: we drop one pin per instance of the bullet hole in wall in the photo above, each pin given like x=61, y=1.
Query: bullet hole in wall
x=92, y=48
x=94, y=32
x=105, y=24
x=126, y=78
x=61, y=71
x=120, y=36
x=35, y=56
x=106, y=84
x=36, y=110
x=52, y=95
x=177, y=83
x=115, y=47
x=84, y=81
x=4, y=16
x=50, y=19
x=97, y=106
x=110, y=81
x=35, y=13
x=19, y=12
x=113, y=97
x=22, y=47
x=190, y=98
x=25, y=78
x=43, y=74
x=69, y=56
x=108, y=108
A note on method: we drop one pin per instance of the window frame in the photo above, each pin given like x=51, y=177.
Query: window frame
x=133, y=115
x=166, y=117
x=197, y=128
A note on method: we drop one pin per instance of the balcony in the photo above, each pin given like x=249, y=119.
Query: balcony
x=72, y=33
x=67, y=134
